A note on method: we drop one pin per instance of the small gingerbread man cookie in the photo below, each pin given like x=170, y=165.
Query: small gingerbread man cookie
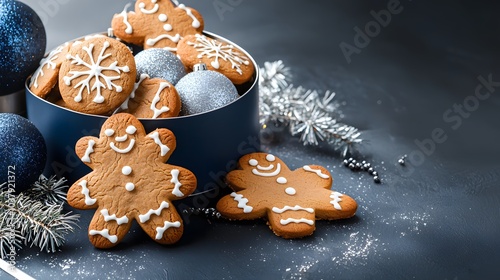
x=265, y=187
x=97, y=75
x=157, y=24
x=152, y=99
x=46, y=76
x=130, y=181
x=218, y=56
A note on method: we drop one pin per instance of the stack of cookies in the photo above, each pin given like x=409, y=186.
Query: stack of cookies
x=99, y=75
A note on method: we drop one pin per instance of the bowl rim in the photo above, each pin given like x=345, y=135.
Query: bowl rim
x=208, y=34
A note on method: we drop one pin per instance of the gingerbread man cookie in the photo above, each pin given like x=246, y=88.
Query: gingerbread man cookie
x=46, y=76
x=157, y=24
x=291, y=200
x=218, y=56
x=152, y=99
x=130, y=181
x=97, y=75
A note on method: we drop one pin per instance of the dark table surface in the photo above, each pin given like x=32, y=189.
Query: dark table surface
x=411, y=88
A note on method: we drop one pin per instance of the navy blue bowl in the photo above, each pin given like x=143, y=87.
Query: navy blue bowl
x=209, y=144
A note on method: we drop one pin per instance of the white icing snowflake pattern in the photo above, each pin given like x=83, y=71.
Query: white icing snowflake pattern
x=48, y=62
x=217, y=50
x=95, y=71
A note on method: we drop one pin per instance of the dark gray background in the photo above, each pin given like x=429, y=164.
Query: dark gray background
x=436, y=218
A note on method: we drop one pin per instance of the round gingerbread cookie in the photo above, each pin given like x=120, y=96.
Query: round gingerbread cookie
x=97, y=75
x=153, y=98
x=45, y=77
x=217, y=55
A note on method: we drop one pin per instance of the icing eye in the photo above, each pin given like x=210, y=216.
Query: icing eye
x=270, y=158
x=109, y=132
x=253, y=162
x=131, y=129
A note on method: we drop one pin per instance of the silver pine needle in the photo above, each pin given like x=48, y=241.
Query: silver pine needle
x=306, y=113
x=41, y=225
x=50, y=191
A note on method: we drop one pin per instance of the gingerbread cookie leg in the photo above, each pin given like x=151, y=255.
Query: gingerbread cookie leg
x=162, y=223
x=292, y=221
x=336, y=206
x=108, y=229
x=82, y=195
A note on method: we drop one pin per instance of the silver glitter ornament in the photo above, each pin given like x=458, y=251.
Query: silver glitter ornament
x=160, y=63
x=205, y=90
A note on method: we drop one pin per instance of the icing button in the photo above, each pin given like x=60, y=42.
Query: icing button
x=290, y=191
x=129, y=187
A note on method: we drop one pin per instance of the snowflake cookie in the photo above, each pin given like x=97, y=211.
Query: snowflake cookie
x=157, y=24
x=97, y=75
x=218, y=56
x=46, y=76
x=291, y=200
x=130, y=180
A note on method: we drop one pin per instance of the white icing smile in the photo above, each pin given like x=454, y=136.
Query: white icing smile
x=131, y=130
x=259, y=170
x=123, y=151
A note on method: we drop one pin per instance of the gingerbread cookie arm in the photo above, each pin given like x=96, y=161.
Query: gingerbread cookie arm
x=107, y=229
x=181, y=183
x=239, y=206
x=238, y=179
x=162, y=142
x=85, y=150
x=314, y=174
x=82, y=194
x=163, y=224
x=125, y=24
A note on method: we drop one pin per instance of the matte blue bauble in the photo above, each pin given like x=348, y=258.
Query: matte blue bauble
x=22, y=44
x=23, y=152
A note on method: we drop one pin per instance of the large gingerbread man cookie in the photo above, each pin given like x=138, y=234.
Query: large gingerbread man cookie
x=290, y=200
x=130, y=181
x=157, y=24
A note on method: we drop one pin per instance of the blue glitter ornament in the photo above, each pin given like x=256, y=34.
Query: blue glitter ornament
x=23, y=152
x=22, y=45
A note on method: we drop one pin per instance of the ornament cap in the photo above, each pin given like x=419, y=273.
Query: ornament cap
x=111, y=33
x=200, y=67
